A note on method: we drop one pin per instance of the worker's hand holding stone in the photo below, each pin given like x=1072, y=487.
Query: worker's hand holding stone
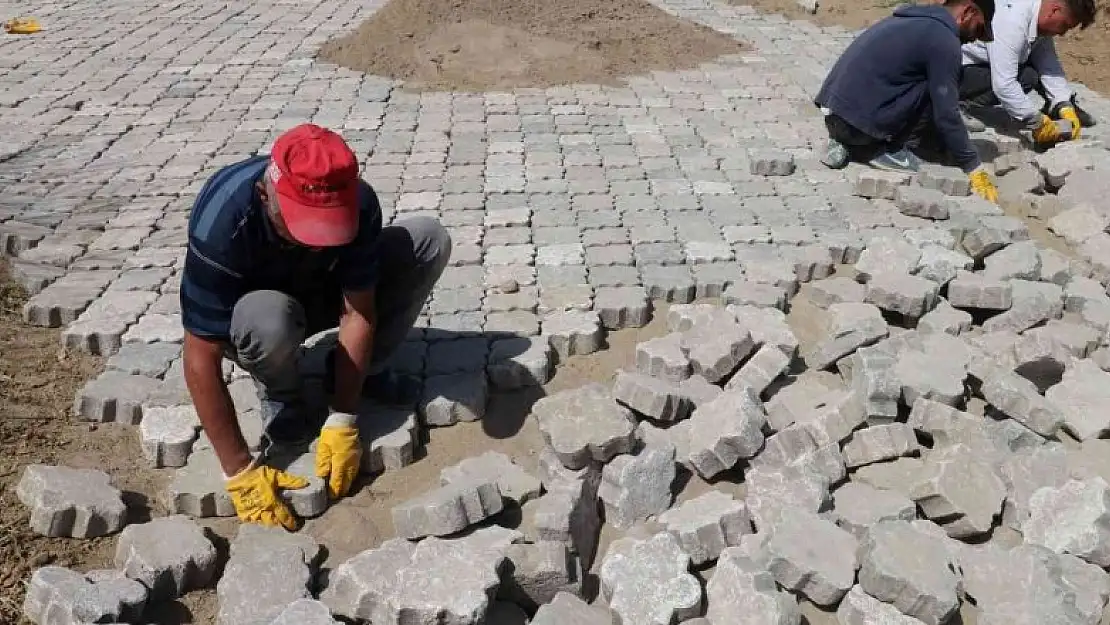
x=254, y=493
x=1068, y=113
x=1047, y=132
x=339, y=453
x=982, y=185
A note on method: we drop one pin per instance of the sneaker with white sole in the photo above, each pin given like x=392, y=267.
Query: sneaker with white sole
x=903, y=161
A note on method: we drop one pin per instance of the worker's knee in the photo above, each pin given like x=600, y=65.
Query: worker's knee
x=1029, y=78
x=267, y=327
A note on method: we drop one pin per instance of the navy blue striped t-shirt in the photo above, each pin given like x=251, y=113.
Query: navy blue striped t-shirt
x=234, y=249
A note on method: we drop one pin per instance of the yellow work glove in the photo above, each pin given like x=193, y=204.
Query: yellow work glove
x=1047, y=131
x=254, y=492
x=339, y=453
x=22, y=26
x=982, y=185
x=1068, y=113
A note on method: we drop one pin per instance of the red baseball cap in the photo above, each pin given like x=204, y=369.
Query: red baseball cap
x=315, y=175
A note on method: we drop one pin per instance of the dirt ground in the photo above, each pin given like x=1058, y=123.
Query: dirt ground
x=1080, y=51
x=500, y=44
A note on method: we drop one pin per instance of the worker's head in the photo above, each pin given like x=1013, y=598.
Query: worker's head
x=311, y=188
x=973, y=18
x=1057, y=17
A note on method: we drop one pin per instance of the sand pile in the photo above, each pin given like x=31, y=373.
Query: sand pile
x=501, y=44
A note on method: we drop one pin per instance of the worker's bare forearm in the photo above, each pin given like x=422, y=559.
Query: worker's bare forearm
x=356, y=343
x=204, y=377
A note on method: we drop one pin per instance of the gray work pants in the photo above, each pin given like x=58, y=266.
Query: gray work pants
x=268, y=327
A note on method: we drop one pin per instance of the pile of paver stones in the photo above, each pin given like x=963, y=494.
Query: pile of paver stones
x=957, y=386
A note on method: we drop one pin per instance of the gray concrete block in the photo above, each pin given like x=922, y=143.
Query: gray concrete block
x=774, y=491
x=744, y=592
x=651, y=397
x=849, y=326
x=697, y=390
x=79, y=503
x=622, y=307
x=1024, y=314
x=663, y=358
x=771, y=163
x=860, y=608
x=758, y=294
x=268, y=571
x=887, y=255
x=825, y=293
x=1074, y=518
x=707, y=525
x=198, y=489
x=453, y=581
x=305, y=612
x=1027, y=471
x=1019, y=399
x=945, y=319
x=146, y=359
x=910, y=296
x=948, y=180
x=857, y=507
x=875, y=384
x=566, y=609
x=585, y=425
x=647, y=581
x=670, y=283
x=813, y=557
x=520, y=362
x=722, y=432
x=910, y=566
x=1079, y=223
x=448, y=509
x=635, y=487
x=573, y=332
x=569, y=514
x=983, y=240
x=537, y=572
x=1020, y=260
x=59, y=595
x=1081, y=397
x=716, y=351
x=449, y=399
x=932, y=374
x=464, y=355
x=169, y=555
x=972, y=291
x=167, y=434
x=873, y=183
x=921, y=202
x=761, y=370
x=114, y=396
x=513, y=481
x=389, y=438
x=878, y=443
x=768, y=326
x=960, y=491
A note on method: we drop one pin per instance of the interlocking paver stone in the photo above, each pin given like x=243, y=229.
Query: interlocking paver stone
x=81, y=503
x=812, y=557
x=114, y=396
x=268, y=571
x=707, y=525
x=652, y=397
x=860, y=608
x=960, y=491
x=448, y=509
x=744, y=592
x=169, y=555
x=167, y=434
x=585, y=425
x=646, y=581
x=566, y=609
x=512, y=480
x=909, y=565
x=1074, y=518
x=637, y=486
x=722, y=432
x=519, y=362
x=60, y=595
x=849, y=326
x=573, y=332
x=449, y=399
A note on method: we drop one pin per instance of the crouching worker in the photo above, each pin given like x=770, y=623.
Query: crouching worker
x=1021, y=58
x=898, y=83
x=281, y=247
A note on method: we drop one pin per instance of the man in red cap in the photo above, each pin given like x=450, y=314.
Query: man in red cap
x=282, y=247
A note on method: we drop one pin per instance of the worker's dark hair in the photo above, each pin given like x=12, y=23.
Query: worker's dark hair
x=986, y=6
x=1083, y=10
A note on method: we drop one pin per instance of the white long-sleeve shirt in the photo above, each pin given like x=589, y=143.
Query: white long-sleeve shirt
x=1015, y=44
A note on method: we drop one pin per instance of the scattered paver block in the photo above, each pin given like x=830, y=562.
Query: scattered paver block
x=268, y=570
x=312, y=500
x=947, y=426
x=389, y=438
x=909, y=296
x=970, y=290
x=849, y=327
x=948, y=180
x=921, y=202
x=1020, y=260
x=520, y=362
x=825, y=293
x=860, y=608
x=1082, y=397
x=932, y=374
x=652, y=397
x=984, y=239
x=768, y=326
x=899, y=475
x=646, y=582
x=887, y=255
x=880, y=442
x=1024, y=314
x=813, y=557
x=944, y=318
x=722, y=432
x=942, y=265
x=794, y=402
x=169, y=555
x=716, y=350
x=573, y=332
x=697, y=390
x=435, y=580
x=774, y=491
x=78, y=503
x=622, y=307
x=1073, y=518
x=960, y=491
x=785, y=446
x=449, y=399
x=910, y=566
x=305, y=612
x=512, y=480
x=756, y=294
x=566, y=609
x=448, y=509
x=858, y=506
x=1018, y=398
x=875, y=384
x=663, y=358
x=168, y=433
x=1026, y=471
x=771, y=163
x=114, y=396
x=568, y=513
x=585, y=425
x=873, y=183
x=761, y=370
x=60, y=595
x=637, y=486
x=1079, y=223
x=538, y=572
x=707, y=525
x=743, y=592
